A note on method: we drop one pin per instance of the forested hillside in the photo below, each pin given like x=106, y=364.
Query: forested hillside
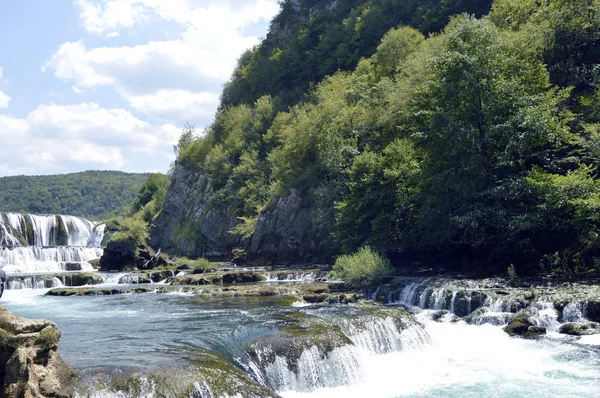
x=92, y=194
x=477, y=146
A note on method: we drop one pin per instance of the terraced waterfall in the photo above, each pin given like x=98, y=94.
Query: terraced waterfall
x=47, y=243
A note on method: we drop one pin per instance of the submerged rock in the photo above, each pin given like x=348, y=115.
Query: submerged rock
x=30, y=365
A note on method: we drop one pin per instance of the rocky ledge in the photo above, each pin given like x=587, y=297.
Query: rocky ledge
x=30, y=365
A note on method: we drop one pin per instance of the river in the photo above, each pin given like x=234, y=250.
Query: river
x=157, y=331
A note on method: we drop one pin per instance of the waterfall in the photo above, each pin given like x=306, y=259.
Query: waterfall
x=32, y=243
x=575, y=312
x=328, y=360
x=314, y=370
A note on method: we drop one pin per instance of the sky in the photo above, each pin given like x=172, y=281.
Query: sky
x=109, y=84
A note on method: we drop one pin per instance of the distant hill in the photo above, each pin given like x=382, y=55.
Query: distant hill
x=92, y=194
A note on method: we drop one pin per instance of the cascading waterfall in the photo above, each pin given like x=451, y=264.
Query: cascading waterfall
x=32, y=243
x=486, y=304
x=319, y=365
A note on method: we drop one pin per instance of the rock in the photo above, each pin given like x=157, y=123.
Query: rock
x=242, y=277
x=30, y=364
x=580, y=329
x=287, y=231
x=73, y=267
x=521, y=325
x=188, y=224
x=95, y=263
x=593, y=310
x=82, y=279
x=117, y=256
x=208, y=375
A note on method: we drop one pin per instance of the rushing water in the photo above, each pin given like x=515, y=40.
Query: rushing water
x=31, y=243
x=158, y=331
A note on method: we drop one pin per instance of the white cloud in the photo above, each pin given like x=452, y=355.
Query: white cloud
x=190, y=106
x=110, y=16
x=4, y=99
x=199, y=61
x=65, y=138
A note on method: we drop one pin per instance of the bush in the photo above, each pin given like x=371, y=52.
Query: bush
x=133, y=231
x=362, y=268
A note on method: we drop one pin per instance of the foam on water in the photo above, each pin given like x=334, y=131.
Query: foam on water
x=474, y=361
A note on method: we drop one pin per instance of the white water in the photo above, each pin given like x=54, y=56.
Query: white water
x=471, y=361
x=31, y=259
x=290, y=277
x=44, y=252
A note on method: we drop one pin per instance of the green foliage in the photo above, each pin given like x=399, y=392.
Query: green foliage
x=92, y=194
x=314, y=39
x=151, y=196
x=363, y=268
x=246, y=227
x=477, y=142
x=511, y=273
x=133, y=231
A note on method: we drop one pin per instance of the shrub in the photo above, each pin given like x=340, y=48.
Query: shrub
x=362, y=268
x=133, y=231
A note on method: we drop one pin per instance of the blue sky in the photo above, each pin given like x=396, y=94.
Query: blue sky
x=108, y=84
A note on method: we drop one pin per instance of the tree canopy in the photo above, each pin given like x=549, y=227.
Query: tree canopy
x=476, y=145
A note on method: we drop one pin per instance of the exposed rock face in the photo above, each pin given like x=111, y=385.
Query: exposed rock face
x=285, y=233
x=189, y=224
x=30, y=365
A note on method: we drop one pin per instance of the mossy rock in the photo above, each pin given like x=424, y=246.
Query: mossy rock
x=521, y=325
x=242, y=277
x=66, y=291
x=82, y=279
x=580, y=329
x=210, y=375
x=73, y=267
x=191, y=280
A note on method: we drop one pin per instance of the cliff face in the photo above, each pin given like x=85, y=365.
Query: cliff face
x=189, y=225
x=30, y=365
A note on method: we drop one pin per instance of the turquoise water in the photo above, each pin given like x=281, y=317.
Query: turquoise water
x=158, y=331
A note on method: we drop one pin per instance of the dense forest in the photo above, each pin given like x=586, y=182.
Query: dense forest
x=96, y=195
x=475, y=145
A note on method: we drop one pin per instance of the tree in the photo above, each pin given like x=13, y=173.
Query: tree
x=483, y=114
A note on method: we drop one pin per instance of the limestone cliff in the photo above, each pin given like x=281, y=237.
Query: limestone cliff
x=30, y=365
x=188, y=223
x=286, y=232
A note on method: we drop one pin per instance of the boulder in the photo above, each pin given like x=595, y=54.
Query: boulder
x=593, y=310
x=30, y=365
x=117, y=256
x=580, y=329
x=522, y=325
